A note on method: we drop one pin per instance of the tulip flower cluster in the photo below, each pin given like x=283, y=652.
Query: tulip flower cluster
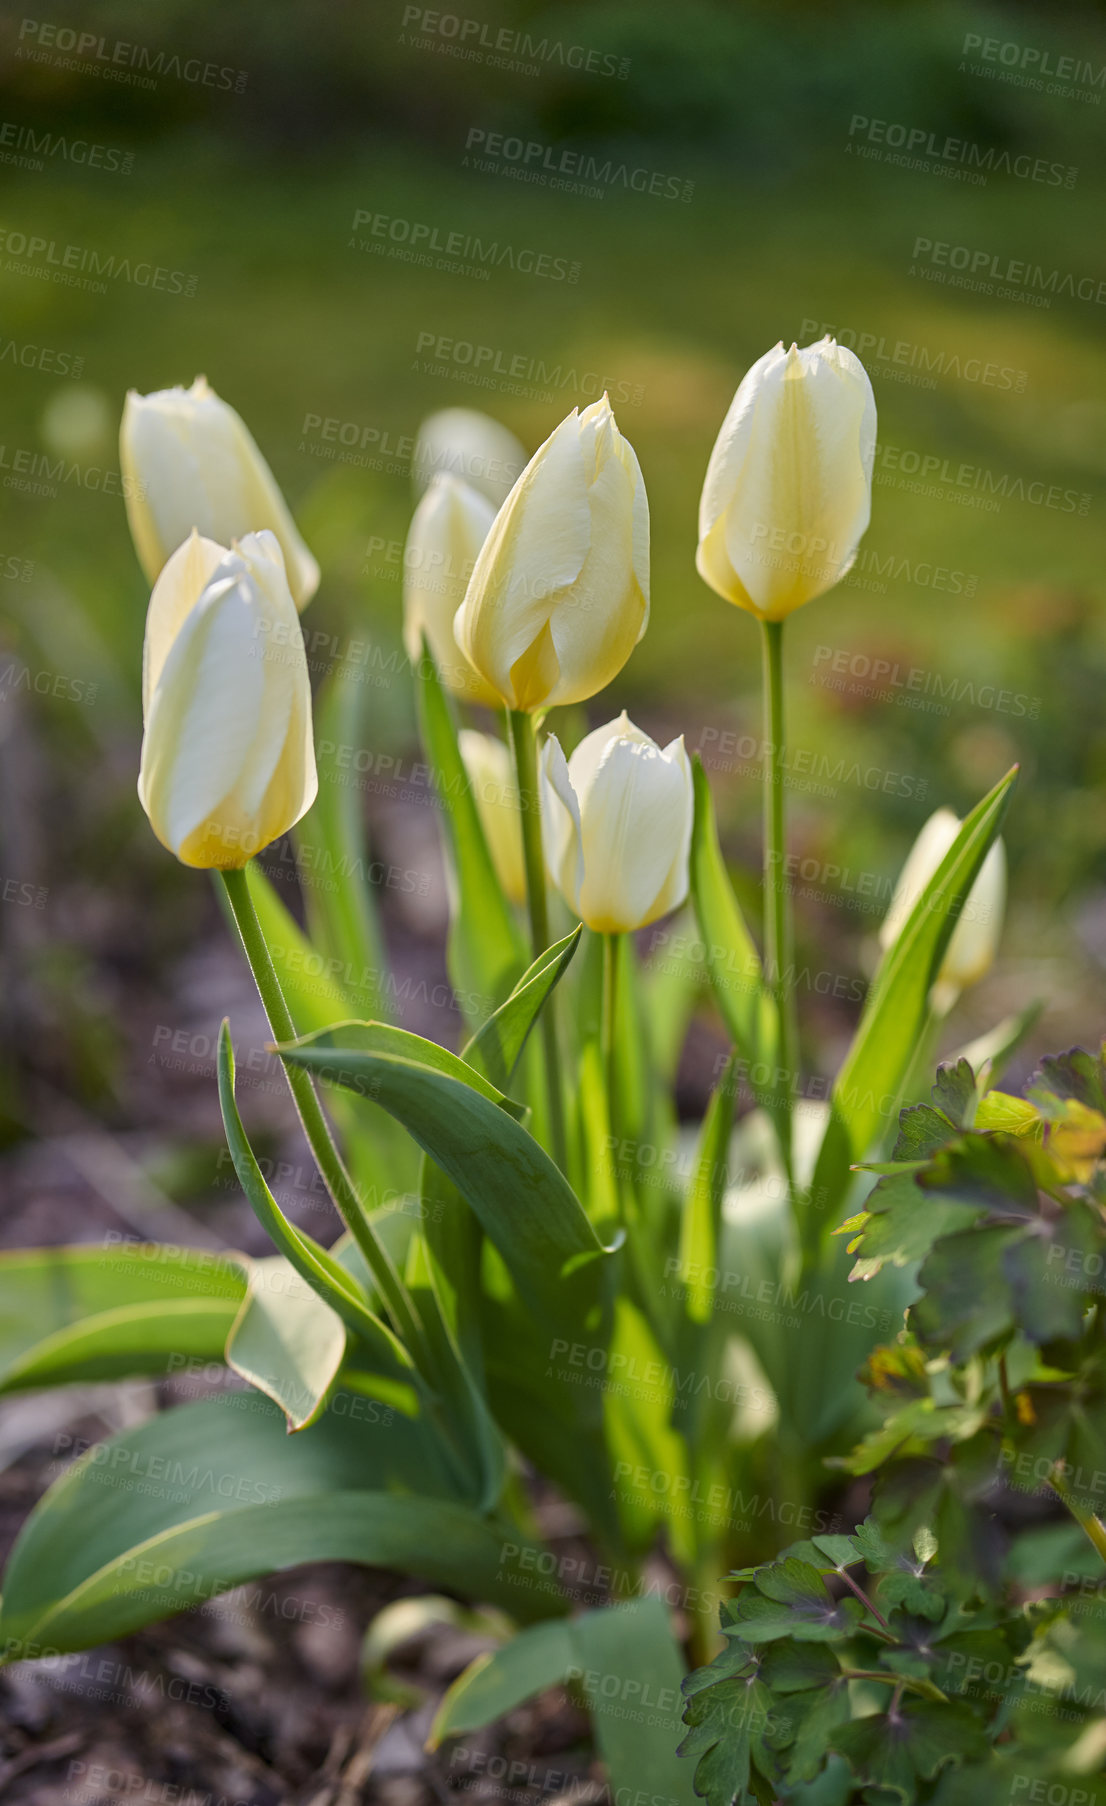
x=528, y=582
x=549, y=1230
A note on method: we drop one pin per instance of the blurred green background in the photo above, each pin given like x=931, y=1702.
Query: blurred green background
x=749, y=114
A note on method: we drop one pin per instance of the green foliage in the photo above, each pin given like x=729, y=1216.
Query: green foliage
x=938, y=1654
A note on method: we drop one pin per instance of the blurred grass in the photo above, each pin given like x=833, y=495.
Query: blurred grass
x=257, y=198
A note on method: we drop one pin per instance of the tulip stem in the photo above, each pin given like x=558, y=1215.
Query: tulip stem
x=315, y=1126
x=525, y=749
x=777, y=902
x=609, y=1022
x=608, y=1045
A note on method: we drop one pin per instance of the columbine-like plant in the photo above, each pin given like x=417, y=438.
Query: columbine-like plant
x=954, y=1647
x=535, y=1276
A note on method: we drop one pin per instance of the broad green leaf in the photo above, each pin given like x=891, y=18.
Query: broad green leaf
x=896, y=1751
x=625, y=1661
x=956, y=1091
x=644, y=1416
x=877, y=1067
x=486, y=948
x=326, y=1276
x=361, y=1040
x=525, y=1205
x=729, y=1714
x=497, y=1681
x=496, y=1048
x=452, y=1234
x=286, y=1341
x=790, y=1599
x=733, y=963
x=984, y=1172
x=899, y=1224
x=200, y=1499
x=702, y=1212
x=335, y=869
x=97, y=1312
x=378, y=1153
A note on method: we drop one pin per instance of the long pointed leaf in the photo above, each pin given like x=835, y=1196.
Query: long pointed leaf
x=286, y=1341
x=313, y=1264
x=866, y=1094
x=200, y=1499
x=525, y=1205
x=486, y=949
x=627, y=1663
x=732, y=960
x=95, y=1312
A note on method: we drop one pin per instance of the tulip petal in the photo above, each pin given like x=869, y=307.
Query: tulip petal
x=203, y=717
x=447, y=530
x=560, y=814
x=189, y=461
x=787, y=494
x=176, y=592
x=634, y=825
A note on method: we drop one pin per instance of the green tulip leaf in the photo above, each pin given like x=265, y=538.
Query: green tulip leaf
x=867, y=1091
x=327, y=1276
x=202, y=1498
x=733, y=963
x=626, y=1662
x=522, y=1200
x=286, y=1341
x=486, y=948
x=897, y=1751
x=100, y=1312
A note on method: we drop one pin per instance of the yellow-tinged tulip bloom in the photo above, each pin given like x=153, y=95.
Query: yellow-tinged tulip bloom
x=495, y=787
x=447, y=530
x=189, y=461
x=974, y=941
x=617, y=821
x=227, y=759
x=464, y=443
x=788, y=490
x=559, y=597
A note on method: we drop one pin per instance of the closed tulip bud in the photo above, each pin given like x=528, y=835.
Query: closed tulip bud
x=559, y=597
x=788, y=490
x=227, y=759
x=189, y=461
x=617, y=820
x=447, y=530
x=461, y=442
x=974, y=941
x=494, y=786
